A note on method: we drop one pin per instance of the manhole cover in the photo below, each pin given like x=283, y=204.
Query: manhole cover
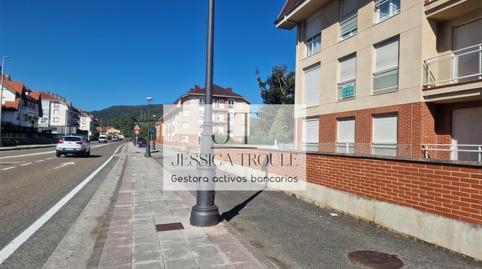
x=375, y=259
x=169, y=227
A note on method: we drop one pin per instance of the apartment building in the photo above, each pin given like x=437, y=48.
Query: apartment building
x=181, y=123
x=20, y=105
x=87, y=123
x=60, y=116
x=389, y=77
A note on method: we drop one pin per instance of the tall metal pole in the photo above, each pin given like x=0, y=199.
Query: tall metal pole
x=205, y=212
x=1, y=97
x=148, y=146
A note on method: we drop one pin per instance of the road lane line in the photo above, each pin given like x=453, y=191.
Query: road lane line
x=51, y=158
x=8, y=168
x=25, y=164
x=34, y=227
x=39, y=161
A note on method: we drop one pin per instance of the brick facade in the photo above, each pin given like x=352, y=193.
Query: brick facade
x=418, y=123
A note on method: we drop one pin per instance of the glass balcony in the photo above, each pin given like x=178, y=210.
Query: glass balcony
x=464, y=65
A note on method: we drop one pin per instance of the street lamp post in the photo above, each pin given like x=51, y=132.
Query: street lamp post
x=1, y=96
x=153, y=137
x=205, y=212
x=148, y=146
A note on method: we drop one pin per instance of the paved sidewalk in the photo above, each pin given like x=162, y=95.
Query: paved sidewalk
x=133, y=242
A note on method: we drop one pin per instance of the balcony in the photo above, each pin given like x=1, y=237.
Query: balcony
x=454, y=76
x=443, y=10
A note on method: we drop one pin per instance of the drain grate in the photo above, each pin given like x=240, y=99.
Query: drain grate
x=169, y=227
x=375, y=259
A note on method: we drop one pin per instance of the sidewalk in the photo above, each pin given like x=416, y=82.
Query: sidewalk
x=28, y=147
x=133, y=242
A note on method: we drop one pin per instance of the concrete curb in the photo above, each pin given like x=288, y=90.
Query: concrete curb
x=28, y=147
x=77, y=246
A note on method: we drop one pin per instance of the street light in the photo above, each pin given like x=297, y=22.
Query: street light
x=148, y=146
x=1, y=96
x=154, y=138
x=205, y=212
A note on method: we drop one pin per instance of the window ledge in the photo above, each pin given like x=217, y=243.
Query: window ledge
x=384, y=92
x=376, y=23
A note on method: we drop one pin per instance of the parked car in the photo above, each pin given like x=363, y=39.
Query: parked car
x=115, y=138
x=141, y=142
x=72, y=144
x=102, y=139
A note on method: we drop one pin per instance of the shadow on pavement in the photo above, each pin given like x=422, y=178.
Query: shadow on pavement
x=231, y=214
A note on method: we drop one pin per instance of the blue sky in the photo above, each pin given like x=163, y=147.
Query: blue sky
x=99, y=53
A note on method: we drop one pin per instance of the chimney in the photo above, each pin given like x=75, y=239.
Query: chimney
x=229, y=89
x=197, y=87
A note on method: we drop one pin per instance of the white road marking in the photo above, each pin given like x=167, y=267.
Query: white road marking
x=51, y=158
x=39, y=161
x=8, y=168
x=27, y=233
x=25, y=164
x=64, y=164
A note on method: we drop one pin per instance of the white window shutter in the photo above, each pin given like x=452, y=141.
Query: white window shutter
x=387, y=56
x=312, y=86
x=348, y=69
x=385, y=129
x=311, y=130
x=313, y=26
x=346, y=130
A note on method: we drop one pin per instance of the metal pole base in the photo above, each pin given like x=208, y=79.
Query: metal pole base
x=148, y=151
x=204, y=216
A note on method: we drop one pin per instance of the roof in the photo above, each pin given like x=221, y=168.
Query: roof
x=18, y=87
x=53, y=97
x=289, y=6
x=35, y=95
x=218, y=91
x=11, y=105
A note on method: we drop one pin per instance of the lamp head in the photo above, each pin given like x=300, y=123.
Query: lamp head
x=149, y=99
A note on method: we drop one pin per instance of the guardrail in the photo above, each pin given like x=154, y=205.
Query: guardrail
x=463, y=65
x=472, y=152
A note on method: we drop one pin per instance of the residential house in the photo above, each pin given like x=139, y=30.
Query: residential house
x=87, y=123
x=389, y=77
x=20, y=106
x=182, y=122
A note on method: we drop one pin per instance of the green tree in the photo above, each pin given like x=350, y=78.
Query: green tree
x=279, y=87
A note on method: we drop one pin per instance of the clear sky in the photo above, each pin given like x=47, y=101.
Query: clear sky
x=99, y=53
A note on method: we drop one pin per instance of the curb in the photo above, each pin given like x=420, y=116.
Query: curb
x=27, y=147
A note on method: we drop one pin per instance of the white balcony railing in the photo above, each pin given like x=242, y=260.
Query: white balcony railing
x=463, y=65
x=461, y=152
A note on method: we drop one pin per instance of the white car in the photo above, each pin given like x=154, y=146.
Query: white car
x=102, y=139
x=72, y=144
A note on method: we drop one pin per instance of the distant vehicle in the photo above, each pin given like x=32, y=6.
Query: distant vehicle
x=102, y=139
x=115, y=138
x=141, y=142
x=72, y=144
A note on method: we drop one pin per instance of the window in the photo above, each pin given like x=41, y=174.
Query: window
x=312, y=86
x=310, y=135
x=385, y=9
x=384, y=139
x=185, y=125
x=56, y=119
x=345, y=141
x=348, y=18
x=346, y=86
x=385, y=78
x=230, y=103
x=313, y=35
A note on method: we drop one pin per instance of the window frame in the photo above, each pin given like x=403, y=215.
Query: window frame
x=378, y=74
x=346, y=20
x=380, y=20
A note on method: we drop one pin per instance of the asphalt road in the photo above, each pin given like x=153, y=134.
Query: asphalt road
x=32, y=181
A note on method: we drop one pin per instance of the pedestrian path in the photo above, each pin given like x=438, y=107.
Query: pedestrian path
x=133, y=242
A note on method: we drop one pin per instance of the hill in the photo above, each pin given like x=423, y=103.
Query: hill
x=113, y=113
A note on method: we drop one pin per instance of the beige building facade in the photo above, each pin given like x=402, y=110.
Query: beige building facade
x=389, y=77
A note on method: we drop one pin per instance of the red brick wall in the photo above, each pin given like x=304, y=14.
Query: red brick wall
x=449, y=190
x=418, y=123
